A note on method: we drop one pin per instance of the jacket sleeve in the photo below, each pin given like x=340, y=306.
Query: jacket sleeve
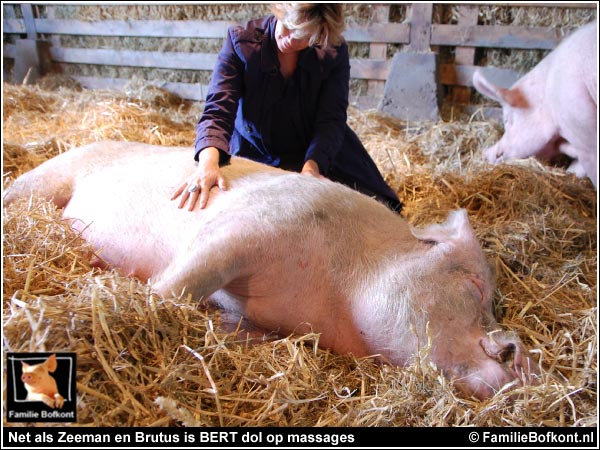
x=330, y=124
x=216, y=124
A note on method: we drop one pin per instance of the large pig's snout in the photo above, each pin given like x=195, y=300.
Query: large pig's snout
x=503, y=365
x=500, y=348
x=26, y=378
x=507, y=350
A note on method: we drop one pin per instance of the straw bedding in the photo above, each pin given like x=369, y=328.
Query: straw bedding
x=145, y=360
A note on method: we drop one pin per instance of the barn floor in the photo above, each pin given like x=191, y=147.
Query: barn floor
x=144, y=360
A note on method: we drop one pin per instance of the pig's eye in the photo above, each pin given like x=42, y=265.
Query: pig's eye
x=478, y=288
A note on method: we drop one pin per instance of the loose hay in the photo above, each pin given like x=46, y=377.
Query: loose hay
x=145, y=360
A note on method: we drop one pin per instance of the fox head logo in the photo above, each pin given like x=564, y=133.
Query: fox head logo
x=40, y=385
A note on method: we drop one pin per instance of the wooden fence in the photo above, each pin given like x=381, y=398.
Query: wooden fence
x=417, y=34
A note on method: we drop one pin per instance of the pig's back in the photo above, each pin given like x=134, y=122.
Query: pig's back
x=121, y=203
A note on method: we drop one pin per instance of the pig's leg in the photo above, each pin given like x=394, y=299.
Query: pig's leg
x=49, y=181
x=577, y=168
x=584, y=162
x=56, y=402
x=493, y=154
x=204, y=274
x=203, y=270
x=59, y=400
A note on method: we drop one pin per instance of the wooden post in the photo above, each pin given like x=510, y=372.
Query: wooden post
x=467, y=15
x=381, y=14
x=32, y=56
x=9, y=13
x=28, y=18
x=420, y=27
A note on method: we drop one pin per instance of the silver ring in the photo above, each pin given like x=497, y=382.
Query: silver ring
x=193, y=188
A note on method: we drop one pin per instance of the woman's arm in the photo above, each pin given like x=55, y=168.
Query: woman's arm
x=331, y=117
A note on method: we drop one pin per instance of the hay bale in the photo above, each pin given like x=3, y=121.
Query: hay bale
x=150, y=361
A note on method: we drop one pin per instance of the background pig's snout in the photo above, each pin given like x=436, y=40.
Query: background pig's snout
x=26, y=378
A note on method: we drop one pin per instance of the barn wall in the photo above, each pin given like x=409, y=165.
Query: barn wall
x=175, y=45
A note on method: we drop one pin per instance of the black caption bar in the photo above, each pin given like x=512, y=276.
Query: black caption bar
x=84, y=437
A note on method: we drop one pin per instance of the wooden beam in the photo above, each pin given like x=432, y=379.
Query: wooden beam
x=453, y=75
x=395, y=33
x=164, y=60
x=359, y=68
x=369, y=69
x=137, y=28
x=467, y=15
x=587, y=5
x=28, y=18
x=188, y=91
x=420, y=27
x=13, y=26
x=381, y=14
x=392, y=33
x=496, y=36
x=450, y=35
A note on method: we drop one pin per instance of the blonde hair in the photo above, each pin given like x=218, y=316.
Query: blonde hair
x=322, y=23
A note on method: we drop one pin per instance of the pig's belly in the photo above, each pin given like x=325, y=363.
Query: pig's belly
x=291, y=292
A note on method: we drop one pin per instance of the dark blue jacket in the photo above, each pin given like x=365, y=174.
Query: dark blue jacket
x=245, y=89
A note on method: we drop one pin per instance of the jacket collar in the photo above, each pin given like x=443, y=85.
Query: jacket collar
x=269, y=62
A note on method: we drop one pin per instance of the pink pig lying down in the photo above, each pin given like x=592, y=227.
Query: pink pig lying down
x=291, y=254
x=554, y=108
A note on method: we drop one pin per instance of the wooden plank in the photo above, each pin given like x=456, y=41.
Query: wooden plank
x=467, y=15
x=13, y=26
x=188, y=91
x=587, y=5
x=395, y=33
x=392, y=33
x=496, y=36
x=450, y=35
x=420, y=27
x=359, y=68
x=453, y=75
x=137, y=28
x=369, y=69
x=164, y=60
x=381, y=14
x=28, y=18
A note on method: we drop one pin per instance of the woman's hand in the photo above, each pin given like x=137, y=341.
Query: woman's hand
x=198, y=184
x=311, y=168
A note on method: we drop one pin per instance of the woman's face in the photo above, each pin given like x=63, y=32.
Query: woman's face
x=285, y=42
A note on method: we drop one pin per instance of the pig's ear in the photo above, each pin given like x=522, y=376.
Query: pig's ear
x=24, y=365
x=455, y=228
x=488, y=88
x=511, y=97
x=51, y=363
